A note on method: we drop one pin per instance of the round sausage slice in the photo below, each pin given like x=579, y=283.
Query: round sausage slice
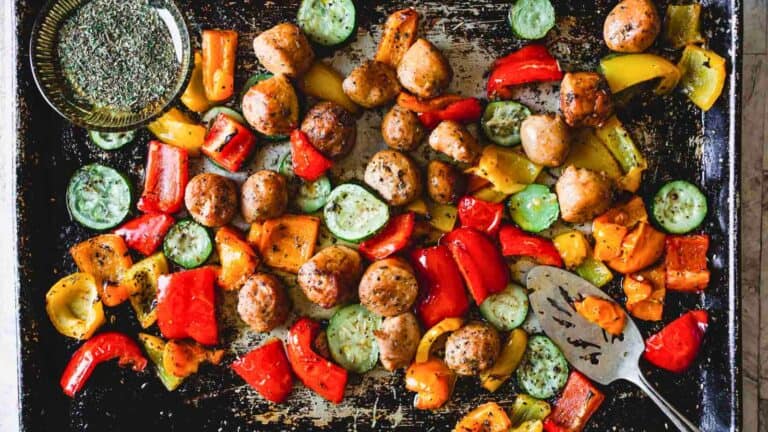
x=262, y=302
x=632, y=26
x=454, y=140
x=331, y=129
x=545, y=139
x=585, y=99
x=394, y=176
x=402, y=129
x=284, y=49
x=472, y=348
x=445, y=184
x=388, y=287
x=264, y=195
x=211, y=199
x=398, y=338
x=424, y=71
x=372, y=84
x=582, y=194
x=330, y=277
x=271, y=106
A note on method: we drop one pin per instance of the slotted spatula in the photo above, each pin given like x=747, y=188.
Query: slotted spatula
x=596, y=354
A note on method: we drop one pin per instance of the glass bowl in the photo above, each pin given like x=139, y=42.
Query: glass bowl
x=57, y=91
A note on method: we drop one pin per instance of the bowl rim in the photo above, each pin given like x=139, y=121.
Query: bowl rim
x=182, y=84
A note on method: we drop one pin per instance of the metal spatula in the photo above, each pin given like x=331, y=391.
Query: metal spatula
x=596, y=354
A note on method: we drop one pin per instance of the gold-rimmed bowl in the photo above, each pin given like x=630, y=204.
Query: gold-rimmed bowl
x=57, y=91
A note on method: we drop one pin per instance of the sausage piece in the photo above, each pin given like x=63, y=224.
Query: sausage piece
x=472, y=348
x=331, y=129
x=330, y=277
x=284, y=49
x=585, y=99
x=398, y=338
x=262, y=302
x=264, y=195
x=424, y=71
x=394, y=176
x=454, y=140
x=372, y=84
x=271, y=106
x=211, y=199
x=582, y=194
x=632, y=26
x=388, y=287
x=402, y=129
x=545, y=139
x=445, y=184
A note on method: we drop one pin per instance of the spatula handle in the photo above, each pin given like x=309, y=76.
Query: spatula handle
x=681, y=422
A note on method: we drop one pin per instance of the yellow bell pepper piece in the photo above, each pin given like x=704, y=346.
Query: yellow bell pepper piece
x=194, y=96
x=490, y=194
x=527, y=408
x=618, y=141
x=488, y=417
x=442, y=216
x=176, y=129
x=141, y=282
x=624, y=71
x=508, y=361
x=418, y=206
x=429, y=338
x=703, y=76
x=682, y=25
x=323, y=82
x=73, y=306
x=588, y=151
x=595, y=272
x=154, y=346
x=573, y=247
x=506, y=168
x=106, y=258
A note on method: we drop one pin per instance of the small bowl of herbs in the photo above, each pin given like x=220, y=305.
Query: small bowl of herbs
x=111, y=65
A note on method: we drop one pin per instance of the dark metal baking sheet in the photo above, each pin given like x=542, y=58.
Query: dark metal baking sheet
x=681, y=143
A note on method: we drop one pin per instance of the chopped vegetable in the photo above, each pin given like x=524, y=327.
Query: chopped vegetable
x=527, y=408
x=595, y=272
x=645, y=293
x=313, y=195
x=509, y=359
x=212, y=114
x=183, y=358
x=177, y=129
x=676, y=346
x=98, y=197
x=96, y=350
x=351, y=338
x=419, y=105
x=625, y=71
x=573, y=247
x=488, y=417
x=588, y=151
x=141, y=283
x=73, y=306
x=154, y=347
x=686, y=262
x=441, y=286
x=106, y=258
x=481, y=215
x=529, y=64
x=531, y=19
x=502, y=120
x=228, y=143
x=682, y=25
x=267, y=370
x=534, y=208
x=427, y=341
x=465, y=111
x=400, y=31
x=579, y=401
x=703, y=76
x=238, y=260
x=165, y=179
x=393, y=238
x=327, y=22
x=507, y=309
x=112, y=140
x=479, y=261
x=610, y=228
x=508, y=169
x=544, y=369
x=640, y=248
x=186, y=305
x=354, y=214
x=432, y=382
x=194, y=96
x=320, y=375
x=443, y=216
x=188, y=244
x=287, y=242
x=605, y=313
x=308, y=162
x=219, y=52
x=145, y=233
x=679, y=207
x=323, y=82
x=515, y=242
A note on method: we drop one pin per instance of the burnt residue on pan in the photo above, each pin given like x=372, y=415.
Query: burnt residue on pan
x=679, y=141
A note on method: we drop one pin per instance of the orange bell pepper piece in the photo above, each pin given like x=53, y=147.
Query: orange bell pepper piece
x=488, y=417
x=238, y=260
x=639, y=249
x=686, y=262
x=645, y=293
x=610, y=228
x=219, y=51
x=399, y=34
x=432, y=381
x=418, y=105
x=287, y=242
x=183, y=358
x=605, y=313
x=106, y=258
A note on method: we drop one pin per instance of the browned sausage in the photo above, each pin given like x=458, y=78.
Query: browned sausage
x=632, y=26
x=331, y=129
x=585, y=99
x=263, y=196
x=582, y=194
x=330, y=277
x=472, y=348
x=284, y=49
x=388, y=287
x=271, y=106
x=424, y=71
x=546, y=139
x=401, y=129
x=398, y=338
x=262, y=302
x=454, y=140
x=211, y=199
x=372, y=84
x=394, y=176
x=445, y=184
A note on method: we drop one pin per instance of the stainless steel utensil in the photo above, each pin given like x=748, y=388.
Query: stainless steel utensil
x=601, y=357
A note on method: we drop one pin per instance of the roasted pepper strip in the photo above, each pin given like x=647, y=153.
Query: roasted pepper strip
x=573, y=247
x=703, y=76
x=154, y=347
x=141, y=282
x=432, y=381
x=393, y=238
x=96, y=350
x=676, y=346
x=165, y=179
x=323, y=82
x=578, y=402
x=320, y=375
x=532, y=63
x=73, y=306
x=183, y=358
x=442, y=290
x=219, y=52
x=686, y=262
x=682, y=25
x=467, y=110
x=106, y=258
x=488, y=417
x=604, y=313
x=286, y=242
x=610, y=228
x=516, y=242
x=595, y=272
x=194, y=96
x=186, y=305
x=639, y=249
x=425, y=344
x=527, y=408
x=238, y=260
x=442, y=216
x=618, y=141
x=481, y=215
x=508, y=169
x=308, y=162
x=178, y=130
x=145, y=233
x=418, y=105
x=400, y=31
x=267, y=370
x=645, y=293
x=228, y=143
x=509, y=359
x=624, y=71
x=479, y=261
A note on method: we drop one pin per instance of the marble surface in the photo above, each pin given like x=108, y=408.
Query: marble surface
x=754, y=210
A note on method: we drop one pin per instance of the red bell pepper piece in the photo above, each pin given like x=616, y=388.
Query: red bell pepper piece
x=579, y=400
x=165, y=179
x=186, y=305
x=516, y=242
x=145, y=233
x=393, y=238
x=686, y=262
x=479, y=261
x=527, y=65
x=467, y=110
x=675, y=347
x=308, y=162
x=228, y=143
x=267, y=370
x=441, y=286
x=96, y=350
x=319, y=374
x=481, y=215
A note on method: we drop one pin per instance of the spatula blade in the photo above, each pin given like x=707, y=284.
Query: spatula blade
x=597, y=354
